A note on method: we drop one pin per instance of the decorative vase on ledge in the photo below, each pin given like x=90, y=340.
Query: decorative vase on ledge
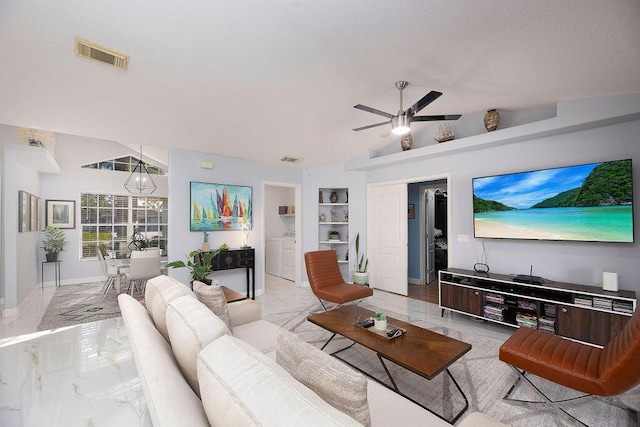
x=491, y=120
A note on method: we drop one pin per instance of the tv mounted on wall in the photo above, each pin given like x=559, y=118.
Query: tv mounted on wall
x=590, y=203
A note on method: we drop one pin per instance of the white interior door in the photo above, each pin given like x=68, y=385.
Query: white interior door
x=387, y=237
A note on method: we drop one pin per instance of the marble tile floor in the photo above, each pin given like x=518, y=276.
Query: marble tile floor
x=84, y=375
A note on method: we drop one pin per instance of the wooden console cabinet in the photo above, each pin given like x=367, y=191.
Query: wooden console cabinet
x=580, y=312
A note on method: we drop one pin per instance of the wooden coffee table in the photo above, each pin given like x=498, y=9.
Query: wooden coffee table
x=419, y=350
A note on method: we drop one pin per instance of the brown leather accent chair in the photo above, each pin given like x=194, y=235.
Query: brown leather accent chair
x=327, y=282
x=599, y=372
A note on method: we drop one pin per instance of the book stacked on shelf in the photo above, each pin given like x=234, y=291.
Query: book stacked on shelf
x=547, y=324
x=527, y=320
x=495, y=298
x=494, y=312
x=584, y=301
x=527, y=305
x=603, y=303
x=623, y=306
x=550, y=310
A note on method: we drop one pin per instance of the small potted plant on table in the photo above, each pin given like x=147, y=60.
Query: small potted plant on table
x=53, y=243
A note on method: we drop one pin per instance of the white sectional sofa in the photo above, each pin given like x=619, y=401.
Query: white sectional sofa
x=236, y=374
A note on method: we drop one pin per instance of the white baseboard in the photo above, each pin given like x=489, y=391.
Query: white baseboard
x=414, y=281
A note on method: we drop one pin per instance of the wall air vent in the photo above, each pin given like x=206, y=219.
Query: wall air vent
x=290, y=159
x=86, y=49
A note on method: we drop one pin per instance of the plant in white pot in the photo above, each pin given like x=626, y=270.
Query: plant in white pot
x=53, y=243
x=360, y=275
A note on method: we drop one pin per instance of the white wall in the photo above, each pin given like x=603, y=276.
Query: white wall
x=559, y=261
x=183, y=168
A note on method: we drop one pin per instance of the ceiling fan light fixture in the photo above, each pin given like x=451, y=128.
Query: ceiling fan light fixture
x=400, y=124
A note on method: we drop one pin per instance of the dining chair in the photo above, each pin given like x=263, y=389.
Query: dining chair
x=327, y=282
x=111, y=277
x=144, y=265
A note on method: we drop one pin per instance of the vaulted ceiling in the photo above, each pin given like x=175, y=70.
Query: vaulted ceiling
x=261, y=79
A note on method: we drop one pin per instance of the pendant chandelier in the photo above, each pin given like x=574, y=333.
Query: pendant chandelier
x=140, y=181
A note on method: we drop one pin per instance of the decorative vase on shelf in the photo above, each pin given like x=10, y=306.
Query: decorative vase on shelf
x=321, y=197
x=444, y=133
x=334, y=197
x=406, y=142
x=491, y=120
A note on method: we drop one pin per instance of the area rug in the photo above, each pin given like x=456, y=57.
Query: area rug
x=481, y=375
x=74, y=304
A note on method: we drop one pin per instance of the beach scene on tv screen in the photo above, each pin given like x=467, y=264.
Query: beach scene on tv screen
x=591, y=202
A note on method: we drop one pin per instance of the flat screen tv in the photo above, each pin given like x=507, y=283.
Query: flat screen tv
x=589, y=203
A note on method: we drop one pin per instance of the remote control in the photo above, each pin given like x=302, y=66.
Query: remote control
x=367, y=323
x=393, y=333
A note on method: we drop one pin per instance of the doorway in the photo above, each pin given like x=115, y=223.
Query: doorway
x=428, y=236
x=281, y=235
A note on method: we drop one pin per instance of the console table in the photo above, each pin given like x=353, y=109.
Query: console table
x=238, y=258
x=580, y=312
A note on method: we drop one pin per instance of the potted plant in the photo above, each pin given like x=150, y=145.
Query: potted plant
x=53, y=243
x=199, y=265
x=360, y=275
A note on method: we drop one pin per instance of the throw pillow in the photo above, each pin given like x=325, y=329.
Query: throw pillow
x=213, y=297
x=336, y=383
x=159, y=292
x=192, y=326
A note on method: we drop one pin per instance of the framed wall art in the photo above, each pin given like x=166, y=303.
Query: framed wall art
x=24, y=211
x=33, y=213
x=220, y=207
x=61, y=213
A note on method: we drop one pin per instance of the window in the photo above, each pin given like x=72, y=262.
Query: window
x=124, y=164
x=111, y=220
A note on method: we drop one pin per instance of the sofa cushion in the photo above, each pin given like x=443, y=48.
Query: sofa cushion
x=260, y=334
x=244, y=311
x=336, y=383
x=159, y=292
x=192, y=326
x=168, y=397
x=242, y=387
x=213, y=297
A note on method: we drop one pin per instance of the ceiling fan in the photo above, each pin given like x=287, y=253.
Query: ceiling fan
x=400, y=122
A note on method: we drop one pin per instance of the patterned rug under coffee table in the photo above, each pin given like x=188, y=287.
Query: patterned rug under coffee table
x=74, y=304
x=482, y=376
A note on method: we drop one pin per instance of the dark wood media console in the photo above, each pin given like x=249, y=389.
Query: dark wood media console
x=580, y=312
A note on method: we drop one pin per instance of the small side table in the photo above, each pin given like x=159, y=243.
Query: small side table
x=56, y=271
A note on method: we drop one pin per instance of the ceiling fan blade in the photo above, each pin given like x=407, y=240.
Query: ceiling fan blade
x=426, y=100
x=373, y=110
x=435, y=118
x=372, y=126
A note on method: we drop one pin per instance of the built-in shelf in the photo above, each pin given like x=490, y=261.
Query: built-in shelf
x=339, y=208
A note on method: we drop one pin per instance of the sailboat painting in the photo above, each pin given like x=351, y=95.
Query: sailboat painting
x=217, y=207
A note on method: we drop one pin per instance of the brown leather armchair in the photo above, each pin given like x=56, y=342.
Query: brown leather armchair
x=599, y=372
x=327, y=282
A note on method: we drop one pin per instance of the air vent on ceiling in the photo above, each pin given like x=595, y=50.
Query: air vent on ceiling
x=86, y=49
x=290, y=159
